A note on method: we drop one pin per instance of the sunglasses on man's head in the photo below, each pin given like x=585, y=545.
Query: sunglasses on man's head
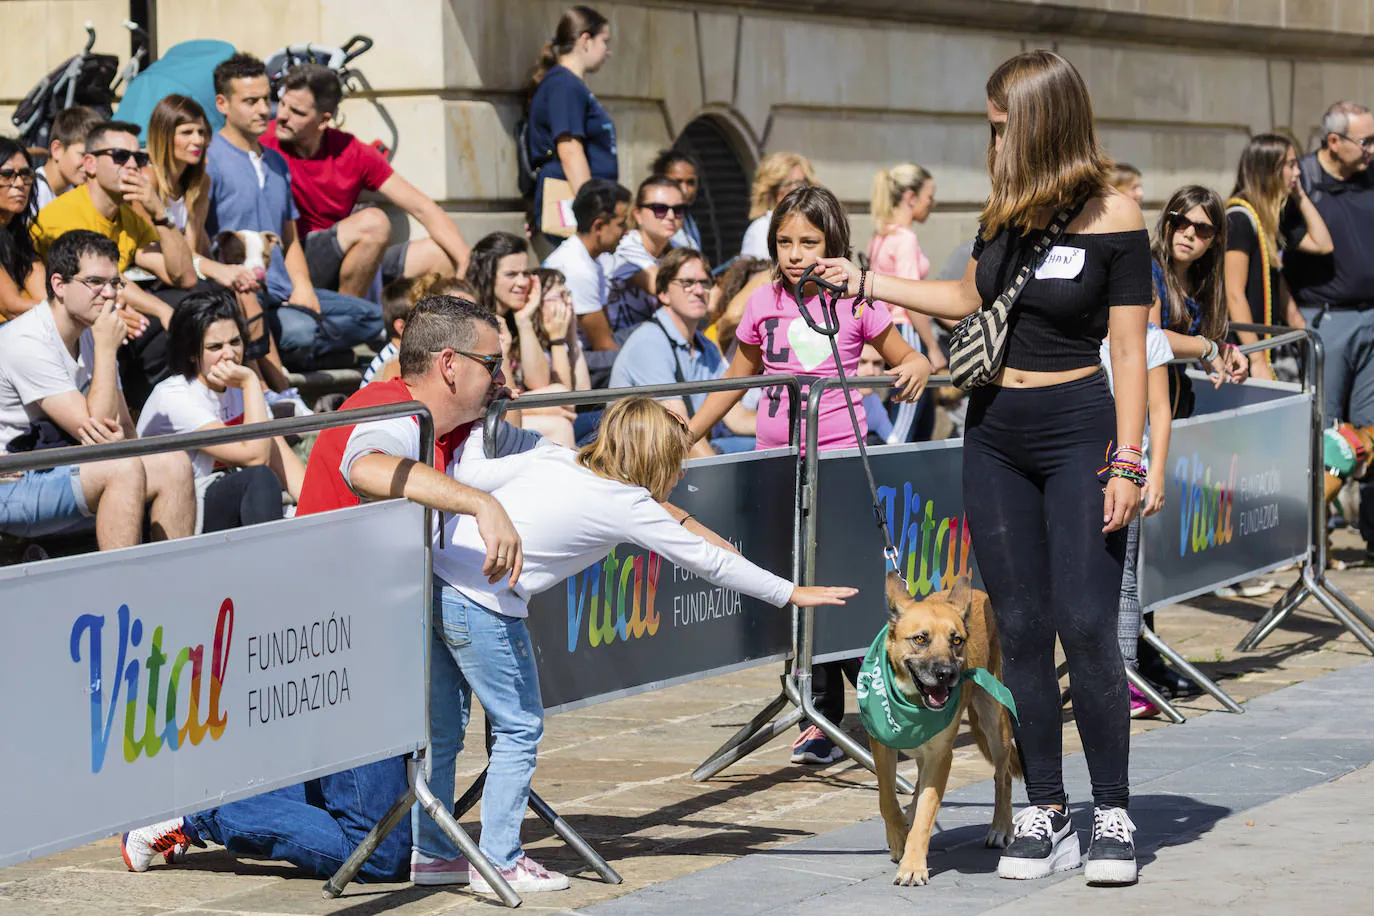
x=121, y=157
x=661, y=211
x=1205, y=232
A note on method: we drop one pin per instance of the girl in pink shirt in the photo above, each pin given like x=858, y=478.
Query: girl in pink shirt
x=773, y=336
x=903, y=195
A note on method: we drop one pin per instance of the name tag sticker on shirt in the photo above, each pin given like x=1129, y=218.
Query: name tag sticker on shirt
x=1062, y=263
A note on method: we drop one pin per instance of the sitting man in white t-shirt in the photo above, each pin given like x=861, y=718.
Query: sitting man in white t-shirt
x=601, y=208
x=59, y=385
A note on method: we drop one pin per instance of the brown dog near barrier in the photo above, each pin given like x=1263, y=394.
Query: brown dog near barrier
x=930, y=644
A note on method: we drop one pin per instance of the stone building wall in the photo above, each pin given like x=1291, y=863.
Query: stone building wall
x=1178, y=85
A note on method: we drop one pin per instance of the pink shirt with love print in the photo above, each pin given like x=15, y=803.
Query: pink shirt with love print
x=772, y=323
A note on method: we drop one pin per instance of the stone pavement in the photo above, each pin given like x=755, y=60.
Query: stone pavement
x=620, y=772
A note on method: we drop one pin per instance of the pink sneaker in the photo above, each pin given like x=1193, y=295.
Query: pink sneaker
x=1141, y=707
x=433, y=871
x=526, y=876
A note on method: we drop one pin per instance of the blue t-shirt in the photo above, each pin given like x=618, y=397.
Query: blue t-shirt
x=240, y=200
x=648, y=355
x=563, y=106
x=1190, y=306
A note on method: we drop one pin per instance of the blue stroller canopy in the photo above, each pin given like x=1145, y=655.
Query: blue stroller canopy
x=186, y=69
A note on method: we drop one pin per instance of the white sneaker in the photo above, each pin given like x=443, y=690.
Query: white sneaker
x=434, y=871
x=525, y=877
x=1111, y=855
x=163, y=838
x=1043, y=842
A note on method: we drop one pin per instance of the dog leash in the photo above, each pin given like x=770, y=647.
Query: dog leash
x=828, y=326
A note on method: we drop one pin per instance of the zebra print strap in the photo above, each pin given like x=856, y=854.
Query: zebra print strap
x=978, y=343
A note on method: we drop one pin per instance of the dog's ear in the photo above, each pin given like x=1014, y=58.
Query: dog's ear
x=896, y=593
x=271, y=240
x=961, y=595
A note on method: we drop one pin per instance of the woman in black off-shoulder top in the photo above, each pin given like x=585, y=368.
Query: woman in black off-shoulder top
x=1048, y=536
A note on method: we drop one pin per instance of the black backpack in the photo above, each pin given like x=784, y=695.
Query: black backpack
x=527, y=164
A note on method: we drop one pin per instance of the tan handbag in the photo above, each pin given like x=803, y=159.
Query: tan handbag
x=556, y=217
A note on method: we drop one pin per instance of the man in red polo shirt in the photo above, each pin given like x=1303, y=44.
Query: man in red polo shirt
x=329, y=169
x=450, y=362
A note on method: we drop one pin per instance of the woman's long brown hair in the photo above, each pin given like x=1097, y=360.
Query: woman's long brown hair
x=1050, y=153
x=169, y=114
x=1259, y=182
x=1205, y=275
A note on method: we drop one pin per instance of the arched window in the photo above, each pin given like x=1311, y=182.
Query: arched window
x=722, y=205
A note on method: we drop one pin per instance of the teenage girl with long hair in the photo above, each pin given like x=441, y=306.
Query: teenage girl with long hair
x=1260, y=221
x=1049, y=535
x=807, y=225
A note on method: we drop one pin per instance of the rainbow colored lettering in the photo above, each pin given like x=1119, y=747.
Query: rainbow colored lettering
x=174, y=732
x=940, y=542
x=1205, y=519
x=614, y=586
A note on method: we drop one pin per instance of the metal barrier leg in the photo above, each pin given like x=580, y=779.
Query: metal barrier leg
x=1331, y=589
x=574, y=839
x=1154, y=696
x=464, y=805
x=1340, y=613
x=1289, y=602
x=354, y=863
x=730, y=751
x=802, y=697
x=1188, y=668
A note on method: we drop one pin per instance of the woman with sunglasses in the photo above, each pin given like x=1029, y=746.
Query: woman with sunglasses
x=777, y=176
x=632, y=269
x=21, y=281
x=1267, y=207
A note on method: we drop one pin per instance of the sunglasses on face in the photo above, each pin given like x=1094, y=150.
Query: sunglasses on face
x=121, y=157
x=1205, y=232
x=662, y=211
x=489, y=361
x=17, y=176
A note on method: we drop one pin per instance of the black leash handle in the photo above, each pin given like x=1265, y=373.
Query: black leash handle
x=829, y=326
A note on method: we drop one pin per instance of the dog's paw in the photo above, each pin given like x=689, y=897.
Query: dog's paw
x=896, y=843
x=912, y=873
x=997, y=839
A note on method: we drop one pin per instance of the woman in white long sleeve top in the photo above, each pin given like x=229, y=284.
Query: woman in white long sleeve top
x=570, y=509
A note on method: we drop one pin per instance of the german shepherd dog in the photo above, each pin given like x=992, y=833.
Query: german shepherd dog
x=930, y=644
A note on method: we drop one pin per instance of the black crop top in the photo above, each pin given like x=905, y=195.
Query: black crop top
x=1061, y=318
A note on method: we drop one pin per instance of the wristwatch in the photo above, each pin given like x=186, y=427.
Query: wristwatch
x=163, y=221
x=561, y=340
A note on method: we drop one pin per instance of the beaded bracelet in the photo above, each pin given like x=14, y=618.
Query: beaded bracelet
x=1125, y=474
x=861, y=298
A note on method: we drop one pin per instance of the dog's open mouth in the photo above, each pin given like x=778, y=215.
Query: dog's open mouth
x=935, y=696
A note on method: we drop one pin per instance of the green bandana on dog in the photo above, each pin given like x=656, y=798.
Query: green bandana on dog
x=894, y=720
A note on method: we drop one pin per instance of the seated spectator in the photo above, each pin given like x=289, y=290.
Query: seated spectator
x=251, y=190
x=1126, y=179
x=105, y=204
x=344, y=248
x=65, y=168
x=682, y=167
x=631, y=269
x=777, y=175
x=670, y=347
x=21, y=280
x=602, y=209
x=553, y=328
x=398, y=298
x=239, y=483
x=59, y=385
x=893, y=422
x=871, y=364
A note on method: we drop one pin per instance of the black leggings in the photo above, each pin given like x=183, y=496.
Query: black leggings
x=1034, y=507
x=248, y=496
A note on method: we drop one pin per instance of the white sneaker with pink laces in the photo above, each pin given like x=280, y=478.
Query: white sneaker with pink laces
x=525, y=877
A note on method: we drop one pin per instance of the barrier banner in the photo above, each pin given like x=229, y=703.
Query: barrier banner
x=922, y=490
x=1236, y=500
x=635, y=622
x=168, y=678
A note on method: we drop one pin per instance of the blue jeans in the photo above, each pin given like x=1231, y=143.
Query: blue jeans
x=477, y=651
x=343, y=323
x=44, y=502
x=316, y=825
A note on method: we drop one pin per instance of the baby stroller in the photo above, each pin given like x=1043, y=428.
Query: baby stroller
x=85, y=79
x=336, y=59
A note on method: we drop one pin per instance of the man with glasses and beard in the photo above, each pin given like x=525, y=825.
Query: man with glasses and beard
x=1335, y=292
x=115, y=182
